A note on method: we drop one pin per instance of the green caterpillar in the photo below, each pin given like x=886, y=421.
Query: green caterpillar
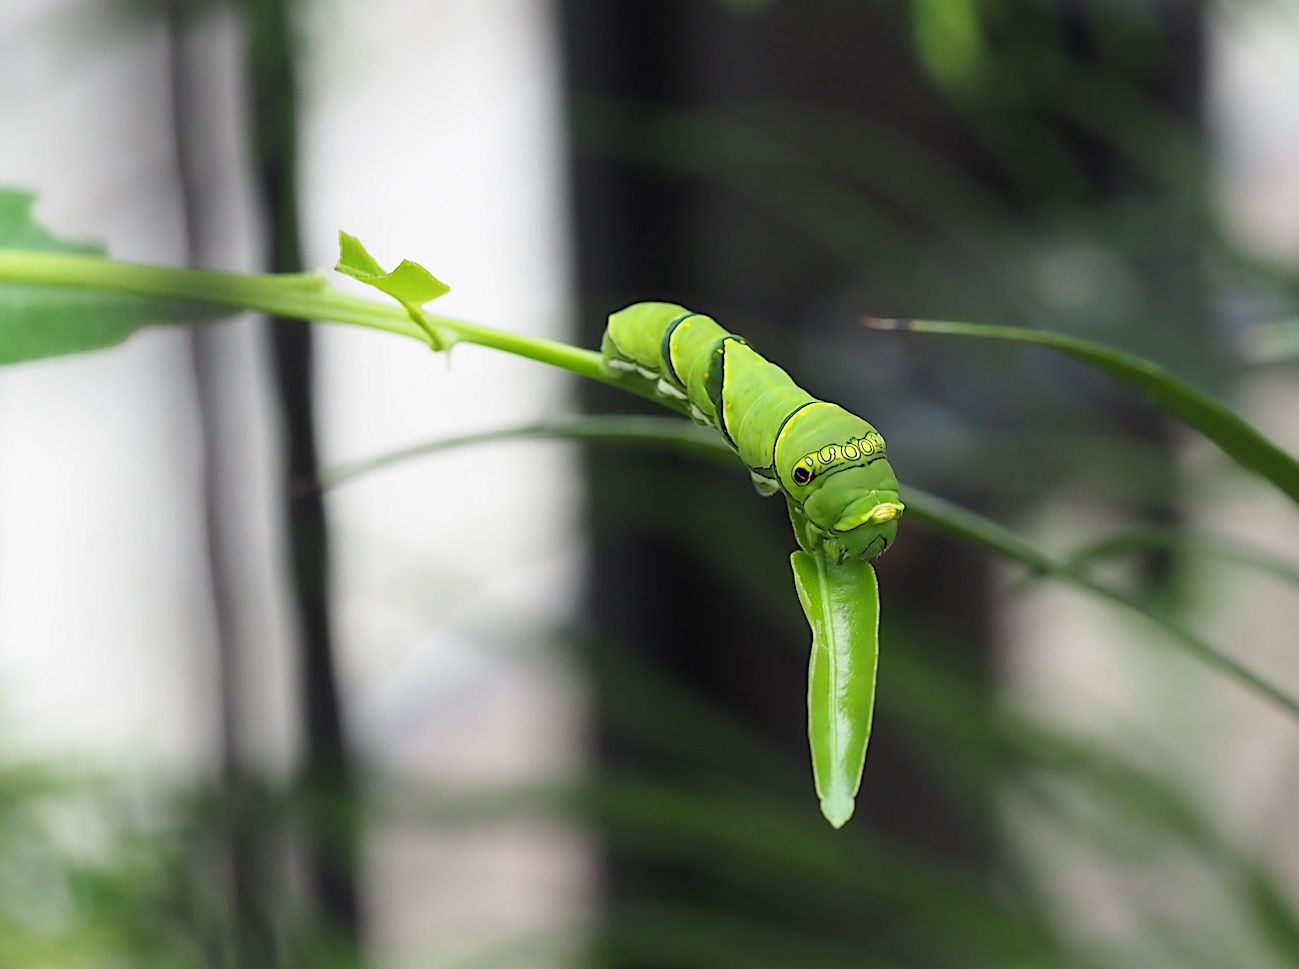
x=830, y=464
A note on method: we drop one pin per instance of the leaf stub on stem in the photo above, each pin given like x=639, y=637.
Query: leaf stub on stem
x=410, y=284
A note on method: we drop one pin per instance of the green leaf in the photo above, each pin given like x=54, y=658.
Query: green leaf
x=1239, y=439
x=1273, y=913
x=18, y=230
x=842, y=604
x=51, y=321
x=409, y=284
x=948, y=41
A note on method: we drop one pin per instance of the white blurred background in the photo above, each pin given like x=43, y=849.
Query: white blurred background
x=431, y=131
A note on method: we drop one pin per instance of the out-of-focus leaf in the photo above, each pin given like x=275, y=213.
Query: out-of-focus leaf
x=760, y=843
x=1274, y=342
x=698, y=938
x=660, y=432
x=961, y=523
x=19, y=230
x=948, y=40
x=665, y=715
x=1274, y=915
x=1147, y=537
x=52, y=321
x=747, y=6
x=1239, y=439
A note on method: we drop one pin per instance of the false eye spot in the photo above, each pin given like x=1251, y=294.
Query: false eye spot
x=802, y=475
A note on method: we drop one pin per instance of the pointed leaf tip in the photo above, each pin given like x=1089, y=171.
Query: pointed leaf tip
x=838, y=808
x=886, y=323
x=353, y=259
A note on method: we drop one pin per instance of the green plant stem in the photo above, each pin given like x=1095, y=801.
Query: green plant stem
x=953, y=520
x=922, y=508
x=660, y=432
x=303, y=296
x=309, y=296
x=1162, y=537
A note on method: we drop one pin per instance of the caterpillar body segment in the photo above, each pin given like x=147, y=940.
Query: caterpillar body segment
x=829, y=463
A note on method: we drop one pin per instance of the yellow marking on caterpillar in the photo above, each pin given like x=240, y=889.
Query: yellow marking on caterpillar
x=858, y=514
x=835, y=454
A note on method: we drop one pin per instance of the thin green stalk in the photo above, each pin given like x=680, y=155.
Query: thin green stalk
x=660, y=432
x=1145, y=538
x=1239, y=439
x=304, y=296
x=945, y=517
x=922, y=508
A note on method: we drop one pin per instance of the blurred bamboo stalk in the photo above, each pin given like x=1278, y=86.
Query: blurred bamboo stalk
x=327, y=781
x=245, y=836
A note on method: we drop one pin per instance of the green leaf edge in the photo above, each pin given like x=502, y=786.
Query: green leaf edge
x=1237, y=438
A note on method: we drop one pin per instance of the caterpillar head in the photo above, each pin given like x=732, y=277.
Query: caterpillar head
x=834, y=467
x=855, y=511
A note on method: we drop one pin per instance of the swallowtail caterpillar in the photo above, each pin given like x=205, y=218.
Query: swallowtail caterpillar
x=842, y=497
x=830, y=464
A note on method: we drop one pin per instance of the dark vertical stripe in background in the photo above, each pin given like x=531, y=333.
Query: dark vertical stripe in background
x=681, y=113
x=253, y=855
x=327, y=776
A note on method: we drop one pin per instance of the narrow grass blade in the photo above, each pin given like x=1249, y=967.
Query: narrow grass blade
x=699, y=937
x=943, y=516
x=1150, y=537
x=662, y=432
x=1239, y=439
x=922, y=508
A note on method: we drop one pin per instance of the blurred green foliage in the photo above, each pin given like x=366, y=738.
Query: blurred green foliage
x=1091, y=214
x=99, y=871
